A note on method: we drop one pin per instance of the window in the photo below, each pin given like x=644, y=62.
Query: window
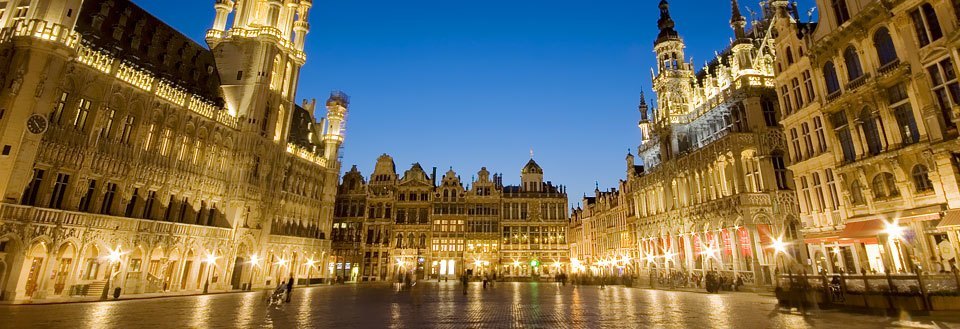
x=821, y=137
x=856, y=193
x=886, y=52
x=842, y=131
x=944, y=80
x=108, y=114
x=779, y=170
x=83, y=109
x=769, y=112
x=926, y=24
x=807, y=139
x=87, y=198
x=906, y=123
x=871, y=124
x=20, y=12
x=830, y=78
x=795, y=140
x=806, y=194
x=797, y=94
x=165, y=140
x=832, y=187
x=59, y=189
x=127, y=129
x=132, y=205
x=885, y=186
x=852, y=61
x=818, y=191
x=921, y=179
x=30, y=194
x=149, y=139
x=808, y=85
x=148, y=207
x=106, y=207
x=785, y=96
x=57, y=113
x=840, y=11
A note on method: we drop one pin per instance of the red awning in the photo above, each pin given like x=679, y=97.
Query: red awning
x=862, y=230
x=951, y=218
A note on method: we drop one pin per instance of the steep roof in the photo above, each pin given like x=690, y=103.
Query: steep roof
x=132, y=34
x=531, y=168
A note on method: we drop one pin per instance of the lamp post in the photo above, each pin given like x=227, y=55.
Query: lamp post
x=894, y=232
x=211, y=260
x=113, y=257
x=254, y=261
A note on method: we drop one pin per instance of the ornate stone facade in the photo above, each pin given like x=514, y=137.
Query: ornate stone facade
x=713, y=191
x=134, y=158
x=870, y=96
x=392, y=225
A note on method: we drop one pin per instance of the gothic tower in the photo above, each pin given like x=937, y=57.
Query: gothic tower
x=259, y=56
x=672, y=82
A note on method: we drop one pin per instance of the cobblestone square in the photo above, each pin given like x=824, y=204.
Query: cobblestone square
x=442, y=305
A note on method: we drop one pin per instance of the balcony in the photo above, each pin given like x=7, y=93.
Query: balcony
x=45, y=219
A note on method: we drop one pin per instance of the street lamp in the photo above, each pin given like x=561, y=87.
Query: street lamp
x=254, y=261
x=211, y=259
x=894, y=231
x=113, y=257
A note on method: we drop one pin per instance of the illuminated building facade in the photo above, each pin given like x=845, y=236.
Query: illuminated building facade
x=433, y=227
x=134, y=158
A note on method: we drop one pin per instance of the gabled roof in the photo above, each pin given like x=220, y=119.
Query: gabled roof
x=531, y=168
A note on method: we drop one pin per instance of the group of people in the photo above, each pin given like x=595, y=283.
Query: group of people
x=716, y=281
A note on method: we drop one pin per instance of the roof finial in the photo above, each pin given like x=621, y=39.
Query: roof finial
x=737, y=21
x=665, y=23
x=531, y=153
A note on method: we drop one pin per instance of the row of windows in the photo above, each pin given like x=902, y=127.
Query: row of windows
x=810, y=147
x=102, y=198
x=871, y=127
x=884, y=185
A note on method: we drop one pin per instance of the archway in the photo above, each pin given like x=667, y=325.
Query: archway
x=167, y=271
x=8, y=251
x=32, y=268
x=65, y=257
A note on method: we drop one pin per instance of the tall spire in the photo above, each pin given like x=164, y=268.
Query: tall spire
x=666, y=24
x=643, y=107
x=737, y=21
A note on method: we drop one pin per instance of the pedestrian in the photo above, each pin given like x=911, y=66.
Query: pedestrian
x=289, y=289
x=463, y=280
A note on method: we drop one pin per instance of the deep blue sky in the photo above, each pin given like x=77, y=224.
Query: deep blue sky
x=479, y=83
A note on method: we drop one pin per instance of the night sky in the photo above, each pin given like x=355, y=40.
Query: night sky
x=466, y=84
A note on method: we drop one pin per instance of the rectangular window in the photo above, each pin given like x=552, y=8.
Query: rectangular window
x=165, y=141
x=797, y=94
x=149, y=139
x=127, y=129
x=842, y=131
x=58, y=108
x=926, y=24
x=59, y=189
x=906, y=123
x=807, y=139
x=780, y=171
x=87, y=198
x=785, y=96
x=821, y=137
x=795, y=140
x=108, y=114
x=832, y=186
x=945, y=89
x=30, y=194
x=818, y=191
x=148, y=207
x=806, y=194
x=83, y=110
x=106, y=207
x=808, y=84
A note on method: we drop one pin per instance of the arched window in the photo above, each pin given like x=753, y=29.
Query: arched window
x=789, y=53
x=411, y=241
x=885, y=186
x=871, y=124
x=856, y=193
x=886, y=51
x=399, y=240
x=830, y=78
x=852, y=61
x=921, y=178
x=423, y=240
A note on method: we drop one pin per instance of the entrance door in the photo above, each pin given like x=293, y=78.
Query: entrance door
x=237, y=273
x=33, y=275
x=63, y=271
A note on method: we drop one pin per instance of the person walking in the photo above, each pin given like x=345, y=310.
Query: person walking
x=289, y=289
x=464, y=281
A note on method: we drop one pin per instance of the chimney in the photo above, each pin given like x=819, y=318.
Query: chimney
x=433, y=176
